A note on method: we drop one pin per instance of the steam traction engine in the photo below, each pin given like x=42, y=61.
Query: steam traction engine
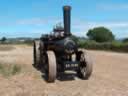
x=57, y=52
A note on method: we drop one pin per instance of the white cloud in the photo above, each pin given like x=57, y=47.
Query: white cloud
x=37, y=21
x=87, y=24
x=113, y=6
x=110, y=24
x=32, y=21
x=118, y=28
x=78, y=27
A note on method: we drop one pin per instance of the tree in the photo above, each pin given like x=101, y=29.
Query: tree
x=125, y=40
x=3, y=39
x=100, y=34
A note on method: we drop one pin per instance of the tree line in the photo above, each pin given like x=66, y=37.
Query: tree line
x=102, y=38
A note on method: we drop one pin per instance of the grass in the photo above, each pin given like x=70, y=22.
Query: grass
x=117, y=46
x=7, y=70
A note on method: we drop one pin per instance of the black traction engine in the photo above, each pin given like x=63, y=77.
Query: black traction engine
x=58, y=52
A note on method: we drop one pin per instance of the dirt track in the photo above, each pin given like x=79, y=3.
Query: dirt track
x=109, y=78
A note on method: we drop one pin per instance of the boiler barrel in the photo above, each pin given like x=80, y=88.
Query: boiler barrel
x=67, y=18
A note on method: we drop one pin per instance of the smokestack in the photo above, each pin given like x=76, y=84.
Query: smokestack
x=67, y=18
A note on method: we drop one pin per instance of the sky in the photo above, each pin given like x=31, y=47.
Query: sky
x=31, y=18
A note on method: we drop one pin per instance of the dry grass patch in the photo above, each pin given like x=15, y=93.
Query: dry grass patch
x=7, y=70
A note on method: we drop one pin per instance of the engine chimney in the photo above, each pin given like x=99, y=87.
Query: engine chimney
x=66, y=18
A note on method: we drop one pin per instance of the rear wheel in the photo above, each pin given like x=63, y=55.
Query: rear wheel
x=42, y=54
x=85, y=67
x=51, y=71
x=36, y=53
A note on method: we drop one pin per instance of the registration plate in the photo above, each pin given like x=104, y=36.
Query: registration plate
x=71, y=65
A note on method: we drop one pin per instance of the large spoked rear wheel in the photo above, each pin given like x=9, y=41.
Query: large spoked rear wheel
x=85, y=67
x=51, y=72
x=36, y=53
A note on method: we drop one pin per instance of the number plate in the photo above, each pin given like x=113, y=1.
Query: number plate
x=71, y=65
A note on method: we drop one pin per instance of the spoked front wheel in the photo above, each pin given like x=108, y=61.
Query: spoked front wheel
x=85, y=67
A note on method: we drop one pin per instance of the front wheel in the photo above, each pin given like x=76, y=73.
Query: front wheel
x=85, y=67
x=51, y=69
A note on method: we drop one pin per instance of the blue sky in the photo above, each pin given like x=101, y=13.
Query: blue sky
x=31, y=18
